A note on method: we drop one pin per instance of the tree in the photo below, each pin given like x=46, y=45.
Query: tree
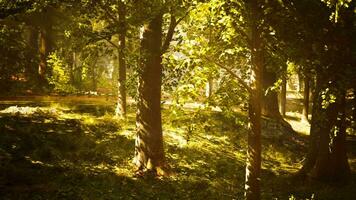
x=149, y=151
x=323, y=56
x=253, y=162
x=121, y=101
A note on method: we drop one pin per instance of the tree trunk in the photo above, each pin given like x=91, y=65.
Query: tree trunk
x=354, y=108
x=149, y=152
x=331, y=163
x=283, y=96
x=209, y=87
x=339, y=161
x=270, y=99
x=314, y=130
x=121, y=100
x=43, y=51
x=326, y=159
x=253, y=162
x=306, y=99
x=300, y=82
x=32, y=68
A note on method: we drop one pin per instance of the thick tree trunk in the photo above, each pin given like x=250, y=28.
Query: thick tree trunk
x=326, y=159
x=121, y=100
x=332, y=163
x=253, y=162
x=314, y=130
x=283, y=96
x=270, y=99
x=149, y=152
x=306, y=99
x=339, y=161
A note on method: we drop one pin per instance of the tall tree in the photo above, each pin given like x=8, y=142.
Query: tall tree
x=149, y=153
x=253, y=162
x=121, y=100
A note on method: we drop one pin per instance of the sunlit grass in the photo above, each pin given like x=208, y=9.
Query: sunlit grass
x=206, y=151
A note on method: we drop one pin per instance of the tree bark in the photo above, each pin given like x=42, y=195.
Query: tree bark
x=270, y=99
x=253, y=162
x=121, y=100
x=283, y=96
x=306, y=98
x=149, y=152
x=332, y=163
x=31, y=68
x=209, y=87
x=43, y=51
x=339, y=160
x=326, y=159
x=314, y=130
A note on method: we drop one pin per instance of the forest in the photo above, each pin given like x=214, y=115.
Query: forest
x=178, y=99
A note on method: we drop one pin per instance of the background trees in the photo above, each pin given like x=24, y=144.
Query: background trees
x=228, y=56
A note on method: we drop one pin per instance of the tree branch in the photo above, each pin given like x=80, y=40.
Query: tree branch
x=174, y=22
x=108, y=13
x=238, y=78
x=170, y=33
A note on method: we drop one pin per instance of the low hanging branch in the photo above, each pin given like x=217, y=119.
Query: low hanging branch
x=238, y=78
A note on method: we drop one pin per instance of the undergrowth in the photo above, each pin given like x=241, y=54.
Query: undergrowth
x=83, y=152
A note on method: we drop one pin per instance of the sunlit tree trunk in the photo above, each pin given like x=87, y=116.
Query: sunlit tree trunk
x=149, y=152
x=121, y=100
x=306, y=98
x=253, y=162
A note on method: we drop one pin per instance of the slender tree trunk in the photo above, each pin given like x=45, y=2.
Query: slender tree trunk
x=354, y=108
x=43, y=51
x=209, y=87
x=306, y=98
x=32, y=68
x=149, y=152
x=283, y=96
x=121, y=100
x=300, y=82
x=253, y=162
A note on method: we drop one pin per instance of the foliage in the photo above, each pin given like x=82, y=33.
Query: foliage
x=60, y=76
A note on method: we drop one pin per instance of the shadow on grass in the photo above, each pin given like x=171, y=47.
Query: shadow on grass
x=82, y=153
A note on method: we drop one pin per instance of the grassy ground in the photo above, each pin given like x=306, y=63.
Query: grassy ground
x=71, y=149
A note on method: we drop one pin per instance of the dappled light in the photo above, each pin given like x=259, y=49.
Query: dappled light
x=178, y=99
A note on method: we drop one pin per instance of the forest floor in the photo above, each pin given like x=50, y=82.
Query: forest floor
x=73, y=148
